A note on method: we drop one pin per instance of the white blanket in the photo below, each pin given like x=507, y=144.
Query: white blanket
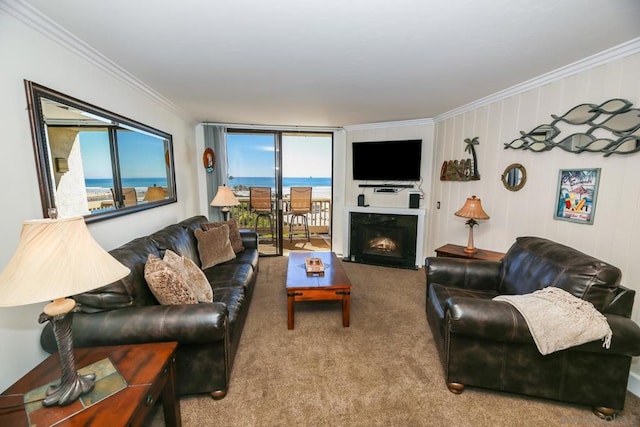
x=559, y=320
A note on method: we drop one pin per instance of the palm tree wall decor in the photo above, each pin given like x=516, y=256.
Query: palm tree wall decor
x=464, y=169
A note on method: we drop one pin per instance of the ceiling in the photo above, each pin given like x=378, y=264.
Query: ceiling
x=337, y=62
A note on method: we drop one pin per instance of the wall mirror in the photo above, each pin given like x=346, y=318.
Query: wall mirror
x=514, y=177
x=95, y=163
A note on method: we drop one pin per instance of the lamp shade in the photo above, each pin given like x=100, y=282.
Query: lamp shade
x=154, y=193
x=472, y=209
x=56, y=258
x=225, y=197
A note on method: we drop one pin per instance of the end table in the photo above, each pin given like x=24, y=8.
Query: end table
x=457, y=251
x=147, y=372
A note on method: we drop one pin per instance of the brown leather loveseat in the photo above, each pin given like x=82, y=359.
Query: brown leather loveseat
x=487, y=343
x=126, y=312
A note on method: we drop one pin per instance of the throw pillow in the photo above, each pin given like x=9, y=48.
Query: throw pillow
x=167, y=284
x=234, y=233
x=214, y=246
x=192, y=274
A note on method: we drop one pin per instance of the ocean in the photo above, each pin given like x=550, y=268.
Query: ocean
x=126, y=182
x=321, y=186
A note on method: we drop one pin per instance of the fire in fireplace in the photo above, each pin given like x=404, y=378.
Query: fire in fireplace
x=383, y=239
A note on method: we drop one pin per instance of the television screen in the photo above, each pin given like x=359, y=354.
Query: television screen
x=387, y=160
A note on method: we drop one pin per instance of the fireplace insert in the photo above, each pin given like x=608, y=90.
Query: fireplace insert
x=383, y=239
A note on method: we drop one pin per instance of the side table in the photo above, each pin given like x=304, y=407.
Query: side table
x=146, y=373
x=457, y=251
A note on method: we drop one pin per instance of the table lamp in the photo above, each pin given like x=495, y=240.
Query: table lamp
x=154, y=193
x=472, y=209
x=57, y=258
x=225, y=198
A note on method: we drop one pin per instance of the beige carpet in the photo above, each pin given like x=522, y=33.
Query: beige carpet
x=383, y=370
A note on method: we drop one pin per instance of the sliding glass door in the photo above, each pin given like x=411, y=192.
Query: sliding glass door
x=253, y=167
x=281, y=161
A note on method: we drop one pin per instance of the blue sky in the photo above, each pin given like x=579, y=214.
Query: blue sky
x=141, y=156
x=302, y=156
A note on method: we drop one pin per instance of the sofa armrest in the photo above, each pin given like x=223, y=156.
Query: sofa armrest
x=249, y=238
x=500, y=321
x=463, y=273
x=625, y=340
x=186, y=324
x=485, y=318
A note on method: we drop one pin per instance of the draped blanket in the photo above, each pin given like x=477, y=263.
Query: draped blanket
x=558, y=320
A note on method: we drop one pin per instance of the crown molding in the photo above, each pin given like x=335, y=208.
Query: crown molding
x=275, y=128
x=396, y=124
x=620, y=51
x=35, y=19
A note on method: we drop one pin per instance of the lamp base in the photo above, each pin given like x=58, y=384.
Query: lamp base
x=470, y=249
x=72, y=385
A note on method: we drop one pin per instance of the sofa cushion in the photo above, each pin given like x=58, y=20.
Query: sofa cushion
x=167, y=284
x=250, y=257
x=230, y=275
x=192, y=274
x=214, y=246
x=533, y=263
x=234, y=233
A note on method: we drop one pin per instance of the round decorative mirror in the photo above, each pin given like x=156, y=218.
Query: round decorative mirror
x=514, y=177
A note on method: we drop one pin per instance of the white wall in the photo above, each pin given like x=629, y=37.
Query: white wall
x=28, y=54
x=614, y=236
x=392, y=131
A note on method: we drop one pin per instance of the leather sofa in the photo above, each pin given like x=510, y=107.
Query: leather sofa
x=126, y=312
x=486, y=343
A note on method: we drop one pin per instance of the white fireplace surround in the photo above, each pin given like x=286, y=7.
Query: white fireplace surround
x=420, y=213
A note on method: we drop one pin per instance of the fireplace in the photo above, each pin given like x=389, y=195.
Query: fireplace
x=383, y=239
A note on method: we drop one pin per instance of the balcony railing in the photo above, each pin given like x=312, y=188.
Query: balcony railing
x=319, y=218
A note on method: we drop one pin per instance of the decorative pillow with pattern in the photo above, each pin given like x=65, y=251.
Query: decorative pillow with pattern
x=234, y=232
x=166, y=283
x=192, y=274
x=214, y=246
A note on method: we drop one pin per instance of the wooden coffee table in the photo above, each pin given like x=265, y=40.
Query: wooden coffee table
x=332, y=285
x=145, y=374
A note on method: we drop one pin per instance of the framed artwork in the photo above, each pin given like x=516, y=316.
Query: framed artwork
x=577, y=195
x=209, y=160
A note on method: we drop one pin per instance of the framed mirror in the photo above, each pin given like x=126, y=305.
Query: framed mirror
x=94, y=163
x=514, y=177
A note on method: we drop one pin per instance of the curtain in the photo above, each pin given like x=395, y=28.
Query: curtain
x=214, y=138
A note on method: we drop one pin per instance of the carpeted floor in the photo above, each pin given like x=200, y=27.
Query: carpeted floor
x=382, y=370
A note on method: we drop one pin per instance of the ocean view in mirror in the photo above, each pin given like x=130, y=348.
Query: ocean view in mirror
x=99, y=189
x=126, y=182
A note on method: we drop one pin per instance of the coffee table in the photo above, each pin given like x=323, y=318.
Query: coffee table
x=144, y=373
x=333, y=284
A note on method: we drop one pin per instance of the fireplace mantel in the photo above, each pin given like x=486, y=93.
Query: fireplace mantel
x=420, y=213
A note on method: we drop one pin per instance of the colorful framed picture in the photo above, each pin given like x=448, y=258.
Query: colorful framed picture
x=577, y=195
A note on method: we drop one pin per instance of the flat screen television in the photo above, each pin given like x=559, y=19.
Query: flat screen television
x=387, y=160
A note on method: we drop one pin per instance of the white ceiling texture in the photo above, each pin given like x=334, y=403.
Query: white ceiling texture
x=339, y=62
